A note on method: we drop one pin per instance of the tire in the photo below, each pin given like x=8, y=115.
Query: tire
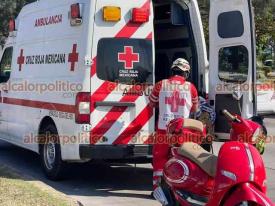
x=50, y=154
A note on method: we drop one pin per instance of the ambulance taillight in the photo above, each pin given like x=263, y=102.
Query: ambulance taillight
x=140, y=15
x=76, y=14
x=12, y=25
x=82, y=114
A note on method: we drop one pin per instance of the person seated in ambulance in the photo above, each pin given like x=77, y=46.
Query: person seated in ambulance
x=176, y=98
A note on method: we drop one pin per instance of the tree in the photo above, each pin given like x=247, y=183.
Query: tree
x=264, y=19
x=9, y=9
x=264, y=22
x=265, y=25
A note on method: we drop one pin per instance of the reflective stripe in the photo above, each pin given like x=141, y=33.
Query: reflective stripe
x=155, y=182
x=152, y=99
x=158, y=173
x=152, y=96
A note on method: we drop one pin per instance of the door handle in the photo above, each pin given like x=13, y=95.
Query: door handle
x=115, y=104
x=6, y=91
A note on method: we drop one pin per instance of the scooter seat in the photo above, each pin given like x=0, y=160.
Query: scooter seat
x=193, y=124
x=205, y=160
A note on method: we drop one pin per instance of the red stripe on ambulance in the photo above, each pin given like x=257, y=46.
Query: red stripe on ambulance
x=150, y=36
x=102, y=92
x=126, y=136
x=40, y=105
x=111, y=117
x=130, y=28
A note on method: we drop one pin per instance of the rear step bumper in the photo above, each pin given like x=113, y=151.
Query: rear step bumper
x=116, y=152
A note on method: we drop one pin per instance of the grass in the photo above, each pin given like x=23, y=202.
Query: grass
x=17, y=191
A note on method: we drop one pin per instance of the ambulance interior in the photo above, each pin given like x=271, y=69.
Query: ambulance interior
x=173, y=37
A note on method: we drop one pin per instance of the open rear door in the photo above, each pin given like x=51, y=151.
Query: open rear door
x=232, y=60
x=122, y=74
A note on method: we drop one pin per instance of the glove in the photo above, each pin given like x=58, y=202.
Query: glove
x=160, y=196
x=157, y=176
x=204, y=107
x=260, y=145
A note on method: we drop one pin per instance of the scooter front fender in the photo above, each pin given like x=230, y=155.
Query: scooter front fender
x=247, y=192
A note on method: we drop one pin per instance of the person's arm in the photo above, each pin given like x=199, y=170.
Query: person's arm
x=195, y=99
x=154, y=96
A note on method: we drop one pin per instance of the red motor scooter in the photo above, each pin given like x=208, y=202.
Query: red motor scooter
x=194, y=176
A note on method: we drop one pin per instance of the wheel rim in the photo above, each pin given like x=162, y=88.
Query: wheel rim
x=49, y=154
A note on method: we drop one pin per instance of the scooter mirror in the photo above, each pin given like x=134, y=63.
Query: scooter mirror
x=230, y=116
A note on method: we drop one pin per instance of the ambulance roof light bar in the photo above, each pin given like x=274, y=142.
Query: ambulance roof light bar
x=140, y=15
x=76, y=14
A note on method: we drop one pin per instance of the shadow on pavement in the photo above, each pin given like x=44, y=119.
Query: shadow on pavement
x=89, y=179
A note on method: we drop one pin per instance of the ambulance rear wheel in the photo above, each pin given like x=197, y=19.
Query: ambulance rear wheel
x=50, y=154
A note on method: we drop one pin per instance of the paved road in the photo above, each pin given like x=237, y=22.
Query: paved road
x=269, y=157
x=105, y=184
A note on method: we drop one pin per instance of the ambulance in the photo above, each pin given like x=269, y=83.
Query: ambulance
x=75, y=75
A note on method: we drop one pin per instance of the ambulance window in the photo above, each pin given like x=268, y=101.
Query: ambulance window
x=179, y=14
x=233, y=64
x=230, y=24
x=126, y=61
x=5, y=65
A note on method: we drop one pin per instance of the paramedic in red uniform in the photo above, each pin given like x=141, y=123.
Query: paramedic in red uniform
x=175, y=97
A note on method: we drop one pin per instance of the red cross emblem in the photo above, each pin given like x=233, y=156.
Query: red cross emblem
x=175, y=101
x=21, y=60
x=128, y=57
x=73, y=57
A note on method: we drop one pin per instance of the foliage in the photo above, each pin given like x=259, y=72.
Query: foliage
x=9, y=9
x=17, y=190
x=264, y=19
x=264, y=22
x=265, y=26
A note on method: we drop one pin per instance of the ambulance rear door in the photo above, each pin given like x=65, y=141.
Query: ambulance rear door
x=232, y=60
x=122, y=73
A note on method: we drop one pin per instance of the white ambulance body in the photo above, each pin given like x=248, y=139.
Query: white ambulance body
x=83, y=70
